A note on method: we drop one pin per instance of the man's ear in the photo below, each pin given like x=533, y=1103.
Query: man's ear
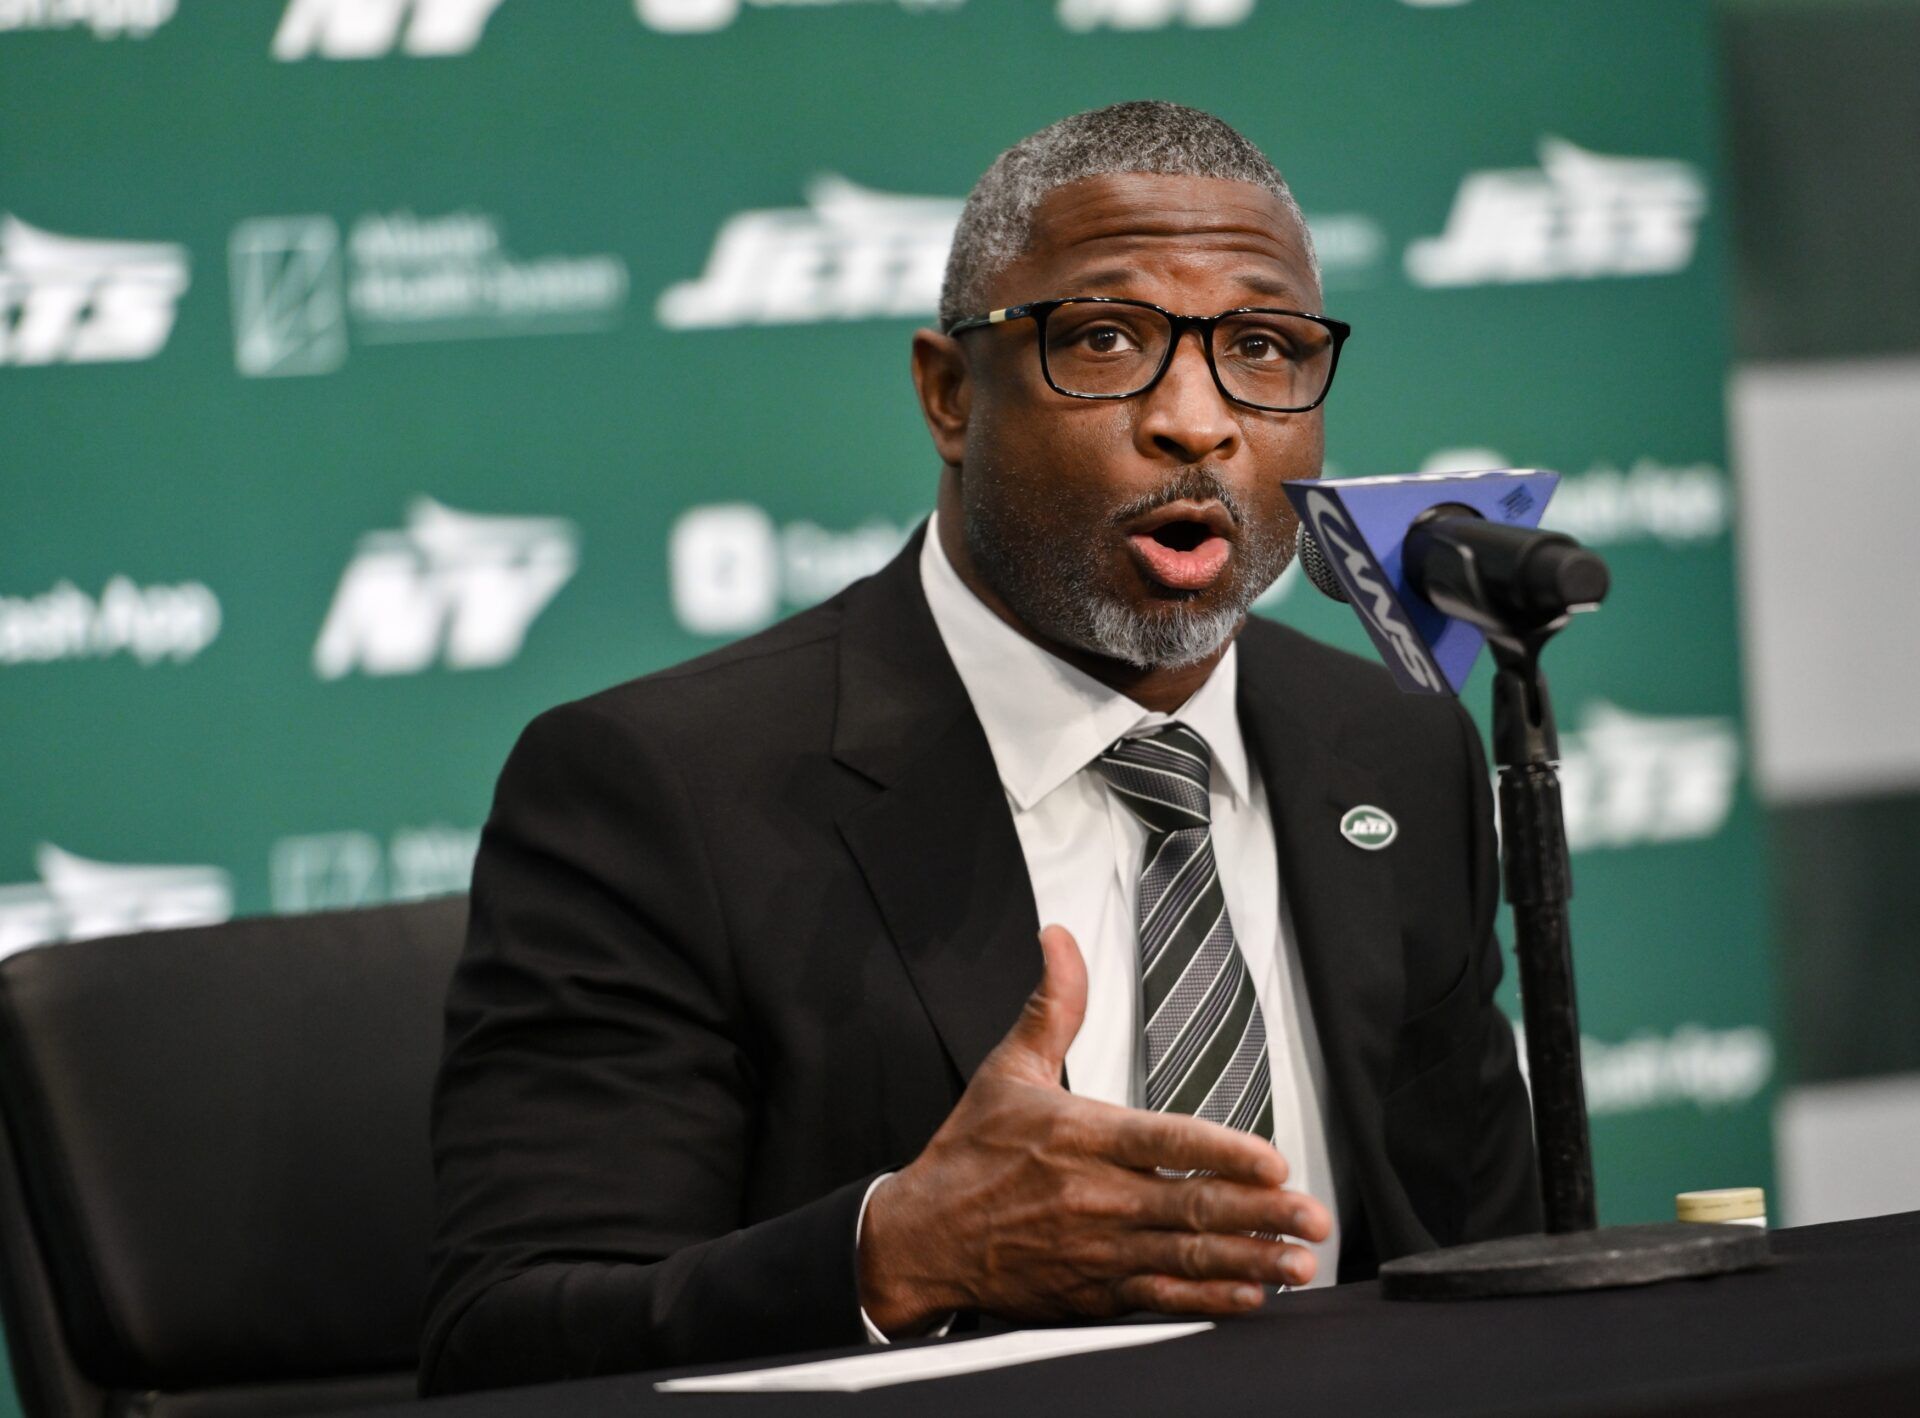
x=945, y=386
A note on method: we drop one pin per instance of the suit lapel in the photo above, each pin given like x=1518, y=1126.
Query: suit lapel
x=936, y=843
x=1344, y=909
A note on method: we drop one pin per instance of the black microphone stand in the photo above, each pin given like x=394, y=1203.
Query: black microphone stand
x=1571, y=1254
x=1539, y=880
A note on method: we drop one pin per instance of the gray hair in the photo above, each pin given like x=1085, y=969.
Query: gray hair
x=996, y=225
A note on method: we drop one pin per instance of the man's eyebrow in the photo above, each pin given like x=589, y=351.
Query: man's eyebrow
x=1087, y=281
x=1092, y=282
x=1269, y=285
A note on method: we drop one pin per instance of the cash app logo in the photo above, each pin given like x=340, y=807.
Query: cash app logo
x=107, y=19
x=733, y=569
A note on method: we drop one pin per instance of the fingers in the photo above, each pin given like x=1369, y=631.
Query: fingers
x=1204, y=1205
x=1172, y=1295
x=1179, y=1142
x=1186, y=1255
x=1037, y=1043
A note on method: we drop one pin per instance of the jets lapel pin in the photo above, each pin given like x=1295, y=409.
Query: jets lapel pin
x=1369, y=828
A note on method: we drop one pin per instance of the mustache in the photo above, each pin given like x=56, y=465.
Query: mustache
x=1196, y=483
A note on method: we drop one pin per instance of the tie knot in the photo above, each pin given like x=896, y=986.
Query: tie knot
x=1161, y=776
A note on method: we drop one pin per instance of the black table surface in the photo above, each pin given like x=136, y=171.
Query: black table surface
x=1832, y=1326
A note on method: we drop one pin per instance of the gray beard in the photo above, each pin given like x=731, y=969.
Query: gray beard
x=1056, y=592
x=1170, y=641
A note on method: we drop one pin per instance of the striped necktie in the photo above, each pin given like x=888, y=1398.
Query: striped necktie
x=1206, y=1039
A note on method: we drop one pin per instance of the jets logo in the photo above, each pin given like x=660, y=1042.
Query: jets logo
x=1628, y=779
x=1369, y=828
x=849, y=254
x=78, y=300
x=1577, y=216
x=452, y=588
x=76, y=899
x=1152, y=14
x=706, y=16
x=368, y=29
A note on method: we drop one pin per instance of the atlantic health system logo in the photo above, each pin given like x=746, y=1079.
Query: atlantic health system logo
x=1577, y=216
x=76, y=899
x=298, y=288
x=81, y=300
x=324, y=871
x=454, y=588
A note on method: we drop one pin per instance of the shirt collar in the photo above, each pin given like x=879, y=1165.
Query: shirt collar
x=1046, y=720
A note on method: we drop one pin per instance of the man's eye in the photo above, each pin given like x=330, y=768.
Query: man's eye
x=1261, y=347
x=1106, y=339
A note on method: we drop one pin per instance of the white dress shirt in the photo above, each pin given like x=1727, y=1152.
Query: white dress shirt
x=1046, y=722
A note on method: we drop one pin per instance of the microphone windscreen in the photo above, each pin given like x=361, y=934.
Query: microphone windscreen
x=1314, y=562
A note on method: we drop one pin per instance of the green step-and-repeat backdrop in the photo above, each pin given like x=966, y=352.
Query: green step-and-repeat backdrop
x=375, y=373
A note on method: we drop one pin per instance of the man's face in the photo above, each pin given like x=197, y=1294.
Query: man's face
x=1138, y=529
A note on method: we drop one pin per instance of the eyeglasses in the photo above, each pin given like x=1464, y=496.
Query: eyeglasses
x=1100, y=347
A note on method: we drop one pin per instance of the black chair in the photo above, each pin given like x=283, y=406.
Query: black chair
x=215, y=1186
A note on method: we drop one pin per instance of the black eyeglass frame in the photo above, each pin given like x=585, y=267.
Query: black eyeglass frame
x=1039, y=310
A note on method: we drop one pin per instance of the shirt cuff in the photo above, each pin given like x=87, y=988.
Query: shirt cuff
x=874, y=1336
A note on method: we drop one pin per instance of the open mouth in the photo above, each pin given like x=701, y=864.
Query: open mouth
x=1181, y=536
x=1183, y=545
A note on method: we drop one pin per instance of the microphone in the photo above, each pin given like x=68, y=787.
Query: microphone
x=1434, y=563
x=1492, y=574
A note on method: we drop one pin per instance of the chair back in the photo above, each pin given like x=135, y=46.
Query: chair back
x=215, y=1183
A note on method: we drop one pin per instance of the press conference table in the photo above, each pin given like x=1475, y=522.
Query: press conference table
x=1831, y=1327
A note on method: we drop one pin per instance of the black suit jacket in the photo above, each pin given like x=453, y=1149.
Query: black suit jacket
x=741, y=931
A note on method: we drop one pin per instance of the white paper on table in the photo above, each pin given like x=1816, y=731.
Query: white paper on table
x=933, y=1361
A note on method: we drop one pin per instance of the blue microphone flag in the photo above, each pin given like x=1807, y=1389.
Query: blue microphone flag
x=1361, y=526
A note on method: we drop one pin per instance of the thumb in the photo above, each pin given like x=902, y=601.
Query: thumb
x=1038, y=1041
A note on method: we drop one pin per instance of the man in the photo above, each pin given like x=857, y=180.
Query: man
x=746, y=1053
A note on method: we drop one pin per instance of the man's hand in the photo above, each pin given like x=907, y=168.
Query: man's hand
x=1030, y=1203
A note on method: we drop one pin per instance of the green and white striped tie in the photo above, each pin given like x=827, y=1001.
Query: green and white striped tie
x=1206, y=1039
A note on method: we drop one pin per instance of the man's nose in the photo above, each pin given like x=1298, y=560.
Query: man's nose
x=1185, y=416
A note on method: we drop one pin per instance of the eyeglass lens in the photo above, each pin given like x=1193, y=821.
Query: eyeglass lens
x=1263, y=357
